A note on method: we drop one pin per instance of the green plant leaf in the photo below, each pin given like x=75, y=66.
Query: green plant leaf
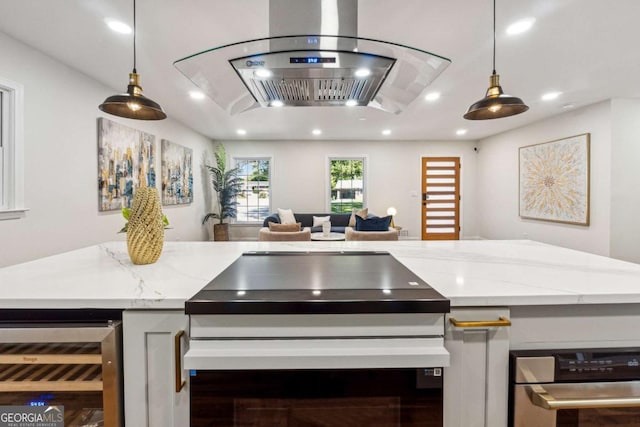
x=126, y=213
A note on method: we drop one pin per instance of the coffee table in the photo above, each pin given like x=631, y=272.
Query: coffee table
x=332, y=236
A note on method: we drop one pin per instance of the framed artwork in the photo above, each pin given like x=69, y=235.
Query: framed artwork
x=554, y=180
x=177, y=174
x=126, y=160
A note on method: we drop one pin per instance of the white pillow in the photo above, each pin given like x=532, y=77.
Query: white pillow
x=286, y=216
x=318, y=220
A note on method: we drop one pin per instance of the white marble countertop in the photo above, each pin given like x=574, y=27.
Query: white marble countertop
x=468, y=272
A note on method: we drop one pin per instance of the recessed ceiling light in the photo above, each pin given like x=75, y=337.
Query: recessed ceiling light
x=362, y=72
x=550, y=96
x=263, y=73
x=351, y=103
x=316, y=132
x=196, y=94
x=520, y=26
x=241, y=132
x=316, y=292
x=432, y=96
x=118, y=26
x=461, y=132
x=277, y=103
x=386, y=132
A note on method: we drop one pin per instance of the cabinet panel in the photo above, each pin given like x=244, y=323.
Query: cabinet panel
x=475, y=384
x=575, y=326
x=151, y=390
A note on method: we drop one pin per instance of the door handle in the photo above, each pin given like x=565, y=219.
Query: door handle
x=180, y=383
x=425, y=197
x=502, y=321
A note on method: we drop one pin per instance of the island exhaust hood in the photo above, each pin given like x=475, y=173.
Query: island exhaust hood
x=313, y=57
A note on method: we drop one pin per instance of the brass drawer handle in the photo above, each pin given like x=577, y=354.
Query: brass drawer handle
x=502, y=321
x=585, y=396
x=180, y=383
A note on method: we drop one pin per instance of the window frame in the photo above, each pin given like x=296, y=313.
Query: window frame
x=365, y=184
x=236, y=160
x=12, y=147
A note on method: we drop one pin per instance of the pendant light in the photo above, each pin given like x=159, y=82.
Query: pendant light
x=133, y=104
x=496, y=103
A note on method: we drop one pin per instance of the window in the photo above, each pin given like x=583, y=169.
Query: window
x=11, y=151
x=254, y=202
x=347, y=183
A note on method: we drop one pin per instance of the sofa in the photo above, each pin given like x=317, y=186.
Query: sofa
x=339, y=221
x=339, y=224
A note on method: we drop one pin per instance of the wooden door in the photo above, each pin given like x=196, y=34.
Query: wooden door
x=440, y=198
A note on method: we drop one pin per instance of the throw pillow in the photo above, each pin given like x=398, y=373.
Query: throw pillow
x=362, y=213
x=318, y=220
x=286, y=216
x=373, y=224
x=285, y=227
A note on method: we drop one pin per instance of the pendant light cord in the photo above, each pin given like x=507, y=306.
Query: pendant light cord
x=494, y=34
x=134, y=37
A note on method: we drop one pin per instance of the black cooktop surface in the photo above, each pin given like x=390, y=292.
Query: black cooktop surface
x=316, y=283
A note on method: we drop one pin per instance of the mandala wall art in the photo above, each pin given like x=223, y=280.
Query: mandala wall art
x=554, y=180
x=177, y=174
x=126, y=159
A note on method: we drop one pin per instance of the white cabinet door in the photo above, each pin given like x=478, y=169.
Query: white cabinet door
x=156, y=387
x=476, y=382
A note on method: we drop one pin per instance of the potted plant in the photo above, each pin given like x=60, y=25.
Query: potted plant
x=227, y=186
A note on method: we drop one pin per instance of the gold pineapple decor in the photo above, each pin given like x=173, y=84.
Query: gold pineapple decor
x=145, y=229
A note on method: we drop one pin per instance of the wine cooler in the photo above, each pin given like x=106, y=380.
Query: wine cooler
x=71, y=365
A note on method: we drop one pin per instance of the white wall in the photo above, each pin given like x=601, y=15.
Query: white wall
x=497, y=189
x=300, y=174
x=60, y=119
x=625, y=180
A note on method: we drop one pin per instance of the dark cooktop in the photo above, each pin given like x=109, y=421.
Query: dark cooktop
x=316, y=283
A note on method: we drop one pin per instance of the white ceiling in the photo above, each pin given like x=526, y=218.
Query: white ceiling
x=587, y=49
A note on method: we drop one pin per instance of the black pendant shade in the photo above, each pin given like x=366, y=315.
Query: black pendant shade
x=495, y=104
x=133, y=104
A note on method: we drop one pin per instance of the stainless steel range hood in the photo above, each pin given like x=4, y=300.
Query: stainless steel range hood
x=313, y=57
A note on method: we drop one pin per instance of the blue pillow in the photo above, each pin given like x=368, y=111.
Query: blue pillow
x=374, y=223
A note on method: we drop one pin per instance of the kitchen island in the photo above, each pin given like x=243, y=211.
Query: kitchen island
x=553, y=296
x=470, y=273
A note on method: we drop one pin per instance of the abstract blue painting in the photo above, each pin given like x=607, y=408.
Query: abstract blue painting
x=177, y=174
x=126, y=161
